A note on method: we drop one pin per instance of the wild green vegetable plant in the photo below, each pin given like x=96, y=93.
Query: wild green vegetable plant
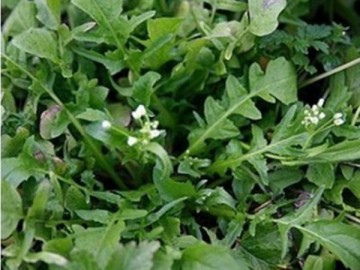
x=179, y=135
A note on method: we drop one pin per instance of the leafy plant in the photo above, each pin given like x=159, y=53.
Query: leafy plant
x=180, y=135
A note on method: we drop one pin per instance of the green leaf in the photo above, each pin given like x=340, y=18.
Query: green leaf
x=279, y=80
x=160, y=27
x=143, y=88
x=321, y=174
x=21, y=19
x=264, y=15
x=11, y=209
x=37, y=209
x=38, y=42
x=75, y=199
x=296, y=219
x=97, y=215
x=46, y=257
x=49, y=13
x=263, y=250
x=134, y=256
x=341, y=239
x=209, y=257
x=48, y=122
x=234, y=92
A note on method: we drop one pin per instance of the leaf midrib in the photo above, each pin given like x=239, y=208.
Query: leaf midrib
x=227, y=113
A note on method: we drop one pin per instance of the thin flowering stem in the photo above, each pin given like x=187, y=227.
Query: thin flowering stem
x=356, y=117
x=322, y=128
x=330, y=73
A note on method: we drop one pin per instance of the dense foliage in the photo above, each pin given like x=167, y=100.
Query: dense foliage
x=187, y=134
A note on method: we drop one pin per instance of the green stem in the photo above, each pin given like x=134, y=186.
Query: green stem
x=331, y=72
x=99, y=157
x=321, y=129
x=356, y=117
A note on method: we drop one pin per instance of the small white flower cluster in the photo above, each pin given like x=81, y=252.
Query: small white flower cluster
x=338, y=119
x=149, y=129
x=314, y=115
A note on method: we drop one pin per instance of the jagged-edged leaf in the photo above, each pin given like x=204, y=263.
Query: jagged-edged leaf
x=258, y=161
x=298, y=218
x=218, y=127
x=278, y=81
x=341, y=239
x=264, y=15
x=234, y=92
x=144, y=87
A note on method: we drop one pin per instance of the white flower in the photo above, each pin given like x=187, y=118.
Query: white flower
x=314, y=120
x=322, y=115
x=139, y=112
x=132, y=140
x=339, y=121
x=154, y=124
x=106, y=124
x=321, y=102
x=154, y=133
x=338, y=115
x=315, y=108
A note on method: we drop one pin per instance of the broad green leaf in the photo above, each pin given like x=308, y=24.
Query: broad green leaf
x=279, y=81
x=202, y=256
x=37, y=209
x=92, y=115
x=75, y=199
x=100, y=241
x=263, y=250
x=102, y=12
x=322, y=174
x=39, y=42
x=134, y=256
x=298, y=218
x=264, y=15
x=21, y=19
x=143, y=88
x=323, y=262
x=341, y=239
x=11, y=209
x=11, y=146
x=160, y=27
x=60, y=246
x=283, y=178
x=49, y=13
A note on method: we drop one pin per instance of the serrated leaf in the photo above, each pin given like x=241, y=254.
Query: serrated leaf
x=160, y=27
x=11, y=209
x=279, y=81
x=296, y=219
x=97, y=215
x=341, y=239
x=264, y=15
x=234, y=92
x=39, y=42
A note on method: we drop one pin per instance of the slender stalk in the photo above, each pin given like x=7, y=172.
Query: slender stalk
x=98, y=155
x=356, y=117
x=331, y=72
